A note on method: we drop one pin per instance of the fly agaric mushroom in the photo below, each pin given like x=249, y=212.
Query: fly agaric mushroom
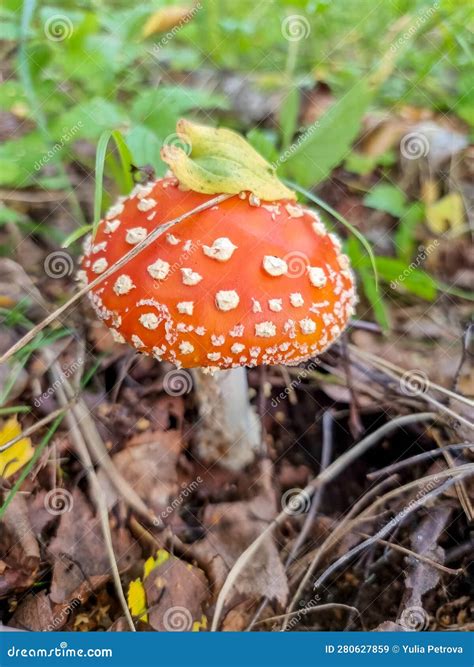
x=243, y=283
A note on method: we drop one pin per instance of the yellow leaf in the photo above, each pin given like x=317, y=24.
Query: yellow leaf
x=18, y=455
x=199, y=625
x=221, y=161
x=161, y=557
x=446, y=213
x=167, y=18
x=150, y=565
x=136, y=600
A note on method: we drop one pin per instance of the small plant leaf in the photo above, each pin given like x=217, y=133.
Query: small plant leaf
x=326, y=143
x=388, y=198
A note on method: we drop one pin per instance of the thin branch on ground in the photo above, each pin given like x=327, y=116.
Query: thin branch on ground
x=324, y=477
x=413, y=554
x=416, y=504
x=97, y=494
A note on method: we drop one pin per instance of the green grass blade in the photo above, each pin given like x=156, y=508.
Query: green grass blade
x=125, y=161
x=359, y=236
x=99, y=176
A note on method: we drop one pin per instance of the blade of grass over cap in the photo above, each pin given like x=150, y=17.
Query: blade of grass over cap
x=359, y=236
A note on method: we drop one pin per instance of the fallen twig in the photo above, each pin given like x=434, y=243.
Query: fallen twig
x=325, y=476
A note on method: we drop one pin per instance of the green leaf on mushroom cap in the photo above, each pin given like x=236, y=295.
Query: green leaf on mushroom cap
x=221, y=161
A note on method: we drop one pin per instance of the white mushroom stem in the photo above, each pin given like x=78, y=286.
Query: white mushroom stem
x=229, y=430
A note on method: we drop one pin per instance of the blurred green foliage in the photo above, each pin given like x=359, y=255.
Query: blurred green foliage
x=82, y=68
x=85, y=66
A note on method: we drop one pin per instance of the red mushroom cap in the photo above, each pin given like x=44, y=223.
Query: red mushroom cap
x=240, y=284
